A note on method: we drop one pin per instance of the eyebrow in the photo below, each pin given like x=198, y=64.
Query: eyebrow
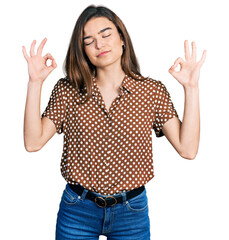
x=101, y=31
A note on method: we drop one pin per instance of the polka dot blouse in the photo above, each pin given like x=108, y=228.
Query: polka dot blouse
x=109, y=151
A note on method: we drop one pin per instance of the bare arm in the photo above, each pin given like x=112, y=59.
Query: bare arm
x=37, y=131
x=185, y=137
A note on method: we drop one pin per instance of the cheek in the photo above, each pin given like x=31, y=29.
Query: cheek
x=118, y=49
x=118, y=45
x=88, y=52
x=91, y=55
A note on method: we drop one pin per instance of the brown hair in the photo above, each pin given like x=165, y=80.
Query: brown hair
x=78, y=68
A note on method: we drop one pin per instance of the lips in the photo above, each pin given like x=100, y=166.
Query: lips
x=103, y=53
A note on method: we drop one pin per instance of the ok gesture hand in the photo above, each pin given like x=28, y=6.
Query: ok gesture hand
x=189, y=73
x=37, y=65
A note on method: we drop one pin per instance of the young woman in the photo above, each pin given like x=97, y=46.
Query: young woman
x=107, y=110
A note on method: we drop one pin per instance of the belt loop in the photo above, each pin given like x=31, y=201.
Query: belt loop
x=83, y=195
x=124, y=197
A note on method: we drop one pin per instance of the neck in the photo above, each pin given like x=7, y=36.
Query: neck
x=110, y=78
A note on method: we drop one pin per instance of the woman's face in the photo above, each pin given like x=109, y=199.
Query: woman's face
x=101, y=36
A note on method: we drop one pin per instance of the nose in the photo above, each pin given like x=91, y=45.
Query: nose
x=99, y=43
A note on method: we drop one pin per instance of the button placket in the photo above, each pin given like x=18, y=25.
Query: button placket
x=108, y=145
x=109, y=125
x=108, y=157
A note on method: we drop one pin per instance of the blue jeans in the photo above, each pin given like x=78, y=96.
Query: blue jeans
x=81, y=218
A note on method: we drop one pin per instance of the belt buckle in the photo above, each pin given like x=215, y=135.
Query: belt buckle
x=103, y=202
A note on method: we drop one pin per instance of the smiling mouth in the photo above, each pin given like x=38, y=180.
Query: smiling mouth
x=103, y=53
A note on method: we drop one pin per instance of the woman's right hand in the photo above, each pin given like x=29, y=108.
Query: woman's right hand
x=37, y=65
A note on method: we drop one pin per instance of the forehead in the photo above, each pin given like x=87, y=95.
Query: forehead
x=94, y=25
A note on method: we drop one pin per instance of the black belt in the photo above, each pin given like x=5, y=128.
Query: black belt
x=108, y=201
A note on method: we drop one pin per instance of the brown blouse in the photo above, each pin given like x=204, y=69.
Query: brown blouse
x=109, y=152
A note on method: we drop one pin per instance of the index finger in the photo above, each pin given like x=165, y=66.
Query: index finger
x=40, y=48
x=203, y=57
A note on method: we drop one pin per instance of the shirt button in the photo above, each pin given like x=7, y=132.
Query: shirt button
x=107, y=137
x=105, y=162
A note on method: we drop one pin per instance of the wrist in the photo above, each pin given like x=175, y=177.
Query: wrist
x=191, y=88
x=191, y=91
x=35, y=84
x=35, y=81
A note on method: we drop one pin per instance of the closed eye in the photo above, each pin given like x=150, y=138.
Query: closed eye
x=89, y=43
x=93, y=41
x=106, y=36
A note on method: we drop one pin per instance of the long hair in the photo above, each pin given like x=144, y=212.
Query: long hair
x=78, y=68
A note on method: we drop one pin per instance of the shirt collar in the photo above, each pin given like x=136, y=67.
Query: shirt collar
x=128, y=83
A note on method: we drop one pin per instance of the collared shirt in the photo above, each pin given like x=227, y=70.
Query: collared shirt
x=109, y=151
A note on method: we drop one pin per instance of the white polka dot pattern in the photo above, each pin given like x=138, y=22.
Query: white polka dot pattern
x=109, y=151
x=164, y=108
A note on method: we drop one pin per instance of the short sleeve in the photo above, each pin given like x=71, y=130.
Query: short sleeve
x=164, y=108
x=56, y=108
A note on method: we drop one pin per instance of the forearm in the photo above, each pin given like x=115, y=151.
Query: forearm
x=32, y=118
x=190, y=127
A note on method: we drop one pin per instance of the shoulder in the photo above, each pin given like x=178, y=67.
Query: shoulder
x=64, y=83
x=154, y=83
x=150, y=84
x=65, y=86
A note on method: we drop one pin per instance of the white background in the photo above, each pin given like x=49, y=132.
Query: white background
x=187, y=198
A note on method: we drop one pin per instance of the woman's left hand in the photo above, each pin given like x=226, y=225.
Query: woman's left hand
x=188, y=75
